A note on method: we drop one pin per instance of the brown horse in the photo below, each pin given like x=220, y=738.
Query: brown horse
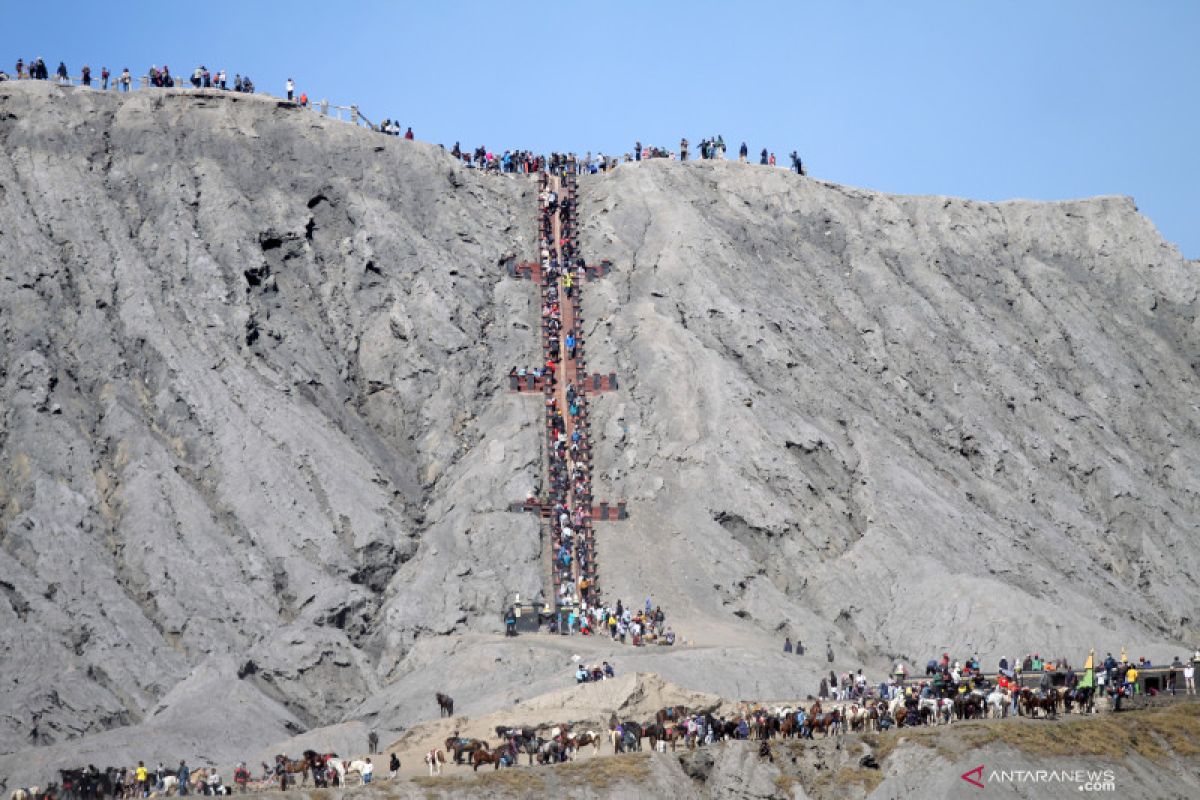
x=1032, y=703
x=584, y=739
x=458, y=747
x=827, y=723
x=445, y=705
x=288, y=767
x=485, y=756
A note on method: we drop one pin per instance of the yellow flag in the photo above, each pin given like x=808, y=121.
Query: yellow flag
x=1090, y=663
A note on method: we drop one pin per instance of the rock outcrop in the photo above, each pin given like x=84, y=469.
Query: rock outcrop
x=256, y=445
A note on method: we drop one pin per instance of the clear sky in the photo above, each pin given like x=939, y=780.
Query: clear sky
x=990, y=100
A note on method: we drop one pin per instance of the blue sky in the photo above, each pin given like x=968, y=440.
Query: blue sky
x=989, y=100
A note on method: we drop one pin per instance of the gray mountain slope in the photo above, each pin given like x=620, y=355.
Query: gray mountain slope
x=933, y=421
x=256, y=443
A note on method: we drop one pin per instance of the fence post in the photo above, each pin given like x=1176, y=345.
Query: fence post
x=325, y=107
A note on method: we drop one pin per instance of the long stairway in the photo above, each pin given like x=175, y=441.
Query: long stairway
x=567, y=506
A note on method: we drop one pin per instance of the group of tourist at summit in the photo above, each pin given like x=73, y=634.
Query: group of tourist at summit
x=158, y=77
x=483, y=158
x=525, y=162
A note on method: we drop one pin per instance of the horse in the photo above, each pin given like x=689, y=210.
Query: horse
x=435, y=758
x=636, y=730
x=827, y=723
x=24, y=794
x=1083, y=697
x=1032, y=702
x=939, y=710
x=654, y=731
x=458, y=747
x=584, y=739
x=997, y=704
x=445, y=705
x=357, y=766
x=551, y=752
x=872, y=721
x=528, y=742
x=332, y=761
x=283, y=765
x=857, y=717
x=484, y=756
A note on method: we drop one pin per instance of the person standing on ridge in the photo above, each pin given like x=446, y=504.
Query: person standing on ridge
x=63, y=77
x=762, y=159
x=408, y=134
x=797, y=164
x=683, y=147
x=637, y=151
x=291, y=88
x=743, y=153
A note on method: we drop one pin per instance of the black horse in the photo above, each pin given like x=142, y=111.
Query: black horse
x=445, y=705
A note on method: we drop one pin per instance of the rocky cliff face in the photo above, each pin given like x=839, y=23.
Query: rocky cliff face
x=255, y=444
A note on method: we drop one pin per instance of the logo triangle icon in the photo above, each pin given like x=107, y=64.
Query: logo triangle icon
x=977, y=780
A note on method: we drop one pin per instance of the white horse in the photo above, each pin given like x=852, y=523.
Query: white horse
x=435, y=758
x=998, y=703
x=338, y=766
x=170, y=784
x=939, y=708
x=357, y=766
x=856, y=716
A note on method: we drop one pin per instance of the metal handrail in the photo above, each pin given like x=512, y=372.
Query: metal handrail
x=350, y=113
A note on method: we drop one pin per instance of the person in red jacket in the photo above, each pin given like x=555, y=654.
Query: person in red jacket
x=408, y=134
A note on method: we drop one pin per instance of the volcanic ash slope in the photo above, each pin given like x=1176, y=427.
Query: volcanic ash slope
x=256, y=441
x=904, y=423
